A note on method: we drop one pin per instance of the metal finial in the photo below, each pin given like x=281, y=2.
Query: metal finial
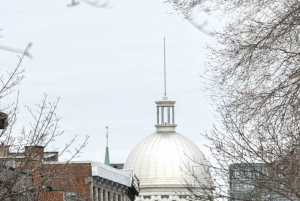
x=106, y=136
x=165, y=78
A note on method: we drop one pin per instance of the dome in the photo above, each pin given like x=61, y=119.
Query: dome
x=162, y=160
x=165, y=160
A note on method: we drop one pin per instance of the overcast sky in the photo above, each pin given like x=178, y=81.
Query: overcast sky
x=107, y=67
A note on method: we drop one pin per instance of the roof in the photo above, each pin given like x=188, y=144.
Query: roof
x=161, y=159
x=125, y=177
x=119, y=176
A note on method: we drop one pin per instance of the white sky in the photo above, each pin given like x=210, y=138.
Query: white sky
x=107, y=67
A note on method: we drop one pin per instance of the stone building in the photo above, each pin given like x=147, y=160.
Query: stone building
x=87, y=181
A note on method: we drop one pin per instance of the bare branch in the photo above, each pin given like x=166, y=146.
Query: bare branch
x=10, y=49
x=94, y=3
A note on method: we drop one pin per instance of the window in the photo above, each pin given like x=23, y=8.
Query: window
x=99, y=194
x=94, y=193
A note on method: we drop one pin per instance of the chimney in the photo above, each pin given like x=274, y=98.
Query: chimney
x=4, y=150
x=37, y=176
x=35, y=152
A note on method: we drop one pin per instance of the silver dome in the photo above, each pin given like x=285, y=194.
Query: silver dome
x=161, y=160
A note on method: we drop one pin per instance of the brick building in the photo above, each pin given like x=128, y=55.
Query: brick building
x=86, y=181
x=48, y=179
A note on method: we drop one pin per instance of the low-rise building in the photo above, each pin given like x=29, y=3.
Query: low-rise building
x=87, y=181
x=41, y=176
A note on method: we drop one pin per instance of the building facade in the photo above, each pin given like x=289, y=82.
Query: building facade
x=253, y=182
x=87, y=181
x=42, y=177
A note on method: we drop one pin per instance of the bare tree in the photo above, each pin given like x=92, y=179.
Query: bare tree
x=253, y=79
x=186, y=8
x=23, y=153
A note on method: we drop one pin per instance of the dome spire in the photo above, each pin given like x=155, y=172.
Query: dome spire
x=165, y=76
x=106, y=160
x=165, y=108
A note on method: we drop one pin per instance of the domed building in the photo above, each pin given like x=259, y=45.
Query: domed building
x=163, y=161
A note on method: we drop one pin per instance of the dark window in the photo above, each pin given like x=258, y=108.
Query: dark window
x=99, y=194
x=94, y=192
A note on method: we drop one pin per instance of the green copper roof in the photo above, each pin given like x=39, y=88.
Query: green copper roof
x=106, y=161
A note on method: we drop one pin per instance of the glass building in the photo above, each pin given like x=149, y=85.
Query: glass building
x=253, y=182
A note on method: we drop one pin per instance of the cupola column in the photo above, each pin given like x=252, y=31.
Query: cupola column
x=168, y=115
x=162, y=114
x=157, y=115
x=173, y=115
